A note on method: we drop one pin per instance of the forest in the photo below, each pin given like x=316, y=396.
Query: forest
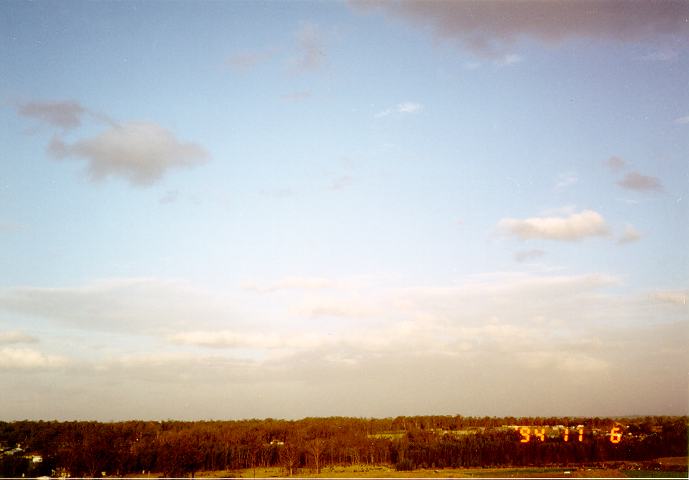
x=176, y=448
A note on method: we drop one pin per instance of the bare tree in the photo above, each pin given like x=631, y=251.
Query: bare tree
x=315, y=447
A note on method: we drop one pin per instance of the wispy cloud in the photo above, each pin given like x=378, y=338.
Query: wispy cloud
x=248, y=60
x=139, y=152
x=297, y=96
x=566, y=180
x=525, y=255
x=509, y=60
x=255, y=340
x=641, y=183
x=660, y=56
x=629, y=235
x=682, y=120
x=401, y=108
x=576, y=226
x=676, y=297
x=490, y=28
x=615, y=163
x=16, y=336
x=279, y=193
x=312, y=53
x=7, y=227
x=27, y=359
x=171, y=196
x=571, y=362
x=289, y=283
x=133, y=305
x=341, y=182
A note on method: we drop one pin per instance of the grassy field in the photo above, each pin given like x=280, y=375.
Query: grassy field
x=372, y=471
x=654, y=474
x=384, y=471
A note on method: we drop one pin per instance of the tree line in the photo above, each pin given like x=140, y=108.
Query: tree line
x=175, y=448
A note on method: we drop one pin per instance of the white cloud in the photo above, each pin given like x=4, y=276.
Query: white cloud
x=641, y=183
x=16, y=337
x=682, y=120
x=14, y=358
x=487, y=30
x=576, y=226
x=629, y=235
x=409, y=107
x=139, y=152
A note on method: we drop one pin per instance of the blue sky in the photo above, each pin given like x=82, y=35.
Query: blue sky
x=288, y=209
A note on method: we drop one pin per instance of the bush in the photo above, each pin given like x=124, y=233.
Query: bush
x=404, y=464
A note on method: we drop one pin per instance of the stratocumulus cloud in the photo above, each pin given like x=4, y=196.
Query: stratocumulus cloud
x=16, y=336
x=423, y=334
x=677, y=297
x=489, y=28
x=640, y=183
x=63, y=114
x=120, y=304
x=139, y=152
x=21, y=358
x=576, y=226
x=255, y=340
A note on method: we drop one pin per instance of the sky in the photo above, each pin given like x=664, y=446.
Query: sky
x=226, y=210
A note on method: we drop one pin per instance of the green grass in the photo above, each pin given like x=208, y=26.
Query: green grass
x=654, y=474
x=384, y=471
x=380, y=471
